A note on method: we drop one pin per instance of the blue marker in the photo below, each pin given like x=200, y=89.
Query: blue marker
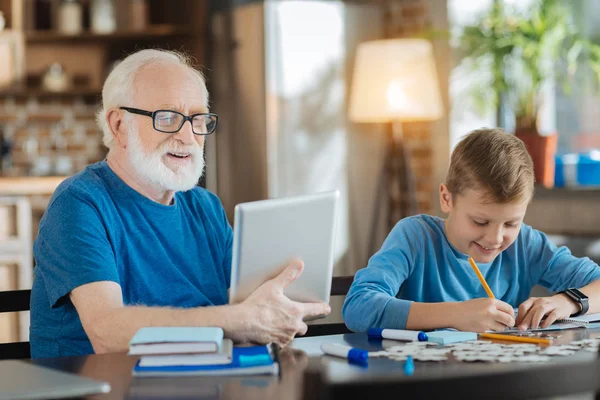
x=397, y=334
x=350, y=353
x=409, y=366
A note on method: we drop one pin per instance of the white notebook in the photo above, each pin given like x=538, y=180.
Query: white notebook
x=163, y=360
x=585, y=321
x=171, y=339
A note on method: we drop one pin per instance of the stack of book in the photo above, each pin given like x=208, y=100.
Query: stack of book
x=180, y=351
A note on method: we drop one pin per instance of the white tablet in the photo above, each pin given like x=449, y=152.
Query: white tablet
x=268, y=234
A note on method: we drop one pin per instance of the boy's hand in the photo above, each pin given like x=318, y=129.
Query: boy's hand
x=485, y=314
x=556, y=307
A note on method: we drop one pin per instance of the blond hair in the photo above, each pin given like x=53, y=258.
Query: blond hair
x=492, y=161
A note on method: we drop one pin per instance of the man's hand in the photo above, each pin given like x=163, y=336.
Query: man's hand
x=556, y=307
x=480, y=315
x=267, y=315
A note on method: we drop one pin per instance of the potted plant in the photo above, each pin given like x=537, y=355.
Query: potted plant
x=524, y=50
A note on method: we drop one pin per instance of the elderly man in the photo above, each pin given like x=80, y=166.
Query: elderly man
x=132, y=242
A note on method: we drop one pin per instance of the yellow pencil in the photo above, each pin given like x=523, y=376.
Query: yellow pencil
x=481, y=278
x=511, y=338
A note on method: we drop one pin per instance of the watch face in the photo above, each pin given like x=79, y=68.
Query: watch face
x=578, y=293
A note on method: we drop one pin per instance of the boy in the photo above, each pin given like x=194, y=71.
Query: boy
x=421, y=279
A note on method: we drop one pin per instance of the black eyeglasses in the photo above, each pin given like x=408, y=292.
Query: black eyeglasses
x=169, y=121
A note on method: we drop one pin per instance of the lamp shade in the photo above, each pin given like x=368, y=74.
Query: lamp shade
x=395, y=80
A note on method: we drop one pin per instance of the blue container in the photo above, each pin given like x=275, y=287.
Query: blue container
x=576, y=170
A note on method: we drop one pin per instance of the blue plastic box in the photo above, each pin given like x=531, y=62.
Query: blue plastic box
x=573, y=170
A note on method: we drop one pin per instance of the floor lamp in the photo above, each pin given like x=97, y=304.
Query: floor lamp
x=395, y=81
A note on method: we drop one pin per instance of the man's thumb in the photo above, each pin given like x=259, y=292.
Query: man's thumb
x=289, y=274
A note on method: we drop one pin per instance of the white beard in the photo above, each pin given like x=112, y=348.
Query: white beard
x=151, y=168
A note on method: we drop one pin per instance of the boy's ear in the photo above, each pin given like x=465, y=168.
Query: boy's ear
x=445, y=199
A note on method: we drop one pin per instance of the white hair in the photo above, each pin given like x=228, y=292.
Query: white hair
x=119, y=89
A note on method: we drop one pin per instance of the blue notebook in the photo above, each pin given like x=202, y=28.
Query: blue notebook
x=447, y=337
x=253, y=360
x=176, y=340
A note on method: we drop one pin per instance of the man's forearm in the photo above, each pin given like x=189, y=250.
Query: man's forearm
x=113, y=330
x=427, y=316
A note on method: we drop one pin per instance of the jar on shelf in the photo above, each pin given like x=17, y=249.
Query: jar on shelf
x=103, y=16
x=70, y=17
x=55, y=79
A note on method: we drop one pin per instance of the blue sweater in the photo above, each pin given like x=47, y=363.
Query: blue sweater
x=418, y=263
x=97, y=228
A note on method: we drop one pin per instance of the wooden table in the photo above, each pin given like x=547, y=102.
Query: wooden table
x=333, y=378
x=116, y=369
x=308, y=375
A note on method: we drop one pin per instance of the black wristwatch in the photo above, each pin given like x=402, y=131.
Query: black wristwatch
x=578, y=297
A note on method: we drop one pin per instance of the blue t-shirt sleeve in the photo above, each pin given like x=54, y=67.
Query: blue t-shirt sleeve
x=555, y=267
x=371, y=301
x=72, y=247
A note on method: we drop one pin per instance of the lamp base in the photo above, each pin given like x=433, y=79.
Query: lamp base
x=395, y=183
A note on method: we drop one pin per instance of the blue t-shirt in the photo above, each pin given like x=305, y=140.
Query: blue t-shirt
x=97, y=228
x=418, y=263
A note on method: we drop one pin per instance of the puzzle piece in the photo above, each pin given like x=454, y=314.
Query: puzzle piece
x=424, y=357
x=382, y=353
x=557, y=351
